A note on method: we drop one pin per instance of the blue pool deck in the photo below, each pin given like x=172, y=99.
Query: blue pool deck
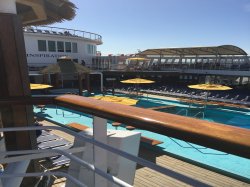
x=230, y=164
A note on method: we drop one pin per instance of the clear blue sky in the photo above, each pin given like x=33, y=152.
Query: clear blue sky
x=128, y=25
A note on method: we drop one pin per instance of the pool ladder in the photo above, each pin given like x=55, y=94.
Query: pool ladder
x=200, y=113
x=57, y=113
x=183, y=110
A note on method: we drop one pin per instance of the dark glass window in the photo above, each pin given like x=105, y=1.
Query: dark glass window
x=74, y=47
x=60, y=46
x=68, y=47
x=52, y=46
x=89, y=49
x=42, y=45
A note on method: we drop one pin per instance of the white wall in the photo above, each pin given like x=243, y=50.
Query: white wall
x=37, y=58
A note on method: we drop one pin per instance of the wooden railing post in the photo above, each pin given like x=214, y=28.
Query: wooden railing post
x=100, y=155
x=14, y=81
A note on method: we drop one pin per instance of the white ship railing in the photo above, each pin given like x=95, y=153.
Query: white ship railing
x=208, y=134
x=36, y=154
x=64, y=32
x=231, y=64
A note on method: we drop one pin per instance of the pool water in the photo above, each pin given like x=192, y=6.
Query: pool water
x=231, y=164
x=239, y=117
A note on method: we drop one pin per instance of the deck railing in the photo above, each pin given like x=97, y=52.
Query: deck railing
x=221, y=137
x=239, y=64
x=230, y=139
x=21, y=155
x=64, y=32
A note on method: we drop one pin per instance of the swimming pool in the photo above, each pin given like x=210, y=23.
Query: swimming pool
x=222, y=161
x=239, y=117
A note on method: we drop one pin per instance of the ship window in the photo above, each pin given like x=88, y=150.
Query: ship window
x=94, y=49
x=91, y=49
x=74, y=47
x=68, y=47
x=52, y=46
x=42, y=45
x=60, y=46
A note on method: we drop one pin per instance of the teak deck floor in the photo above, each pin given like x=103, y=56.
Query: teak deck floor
x=146, y=177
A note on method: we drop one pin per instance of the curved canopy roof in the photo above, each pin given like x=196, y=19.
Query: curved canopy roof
x=42, y=12
x=216, y=50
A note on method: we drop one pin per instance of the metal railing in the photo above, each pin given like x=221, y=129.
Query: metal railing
x=200, y=113
x=63, y=32
x=242, y=64
x=208, y=134
x=183, y=110
x=188, y=129
x=36, y=154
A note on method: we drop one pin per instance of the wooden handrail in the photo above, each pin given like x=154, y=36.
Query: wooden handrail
x=225, y=138
x=221, y=137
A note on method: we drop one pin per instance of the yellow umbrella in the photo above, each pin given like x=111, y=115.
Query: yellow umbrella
x=39, y=86
x=209, y=87
x=137, y=81
x=115, y=99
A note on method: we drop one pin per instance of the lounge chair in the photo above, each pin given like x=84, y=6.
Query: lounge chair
x=235, y=99
x=53, y=143
x=44, y=133
x=225, y=97
x=215, y=96
x=243, y=101
x=59, y=160
x=48, y=140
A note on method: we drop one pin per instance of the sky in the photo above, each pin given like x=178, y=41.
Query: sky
x=127, y=26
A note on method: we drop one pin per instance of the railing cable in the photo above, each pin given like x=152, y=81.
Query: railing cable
x=131, y=157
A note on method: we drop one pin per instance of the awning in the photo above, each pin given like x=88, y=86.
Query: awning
x=190, y=51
